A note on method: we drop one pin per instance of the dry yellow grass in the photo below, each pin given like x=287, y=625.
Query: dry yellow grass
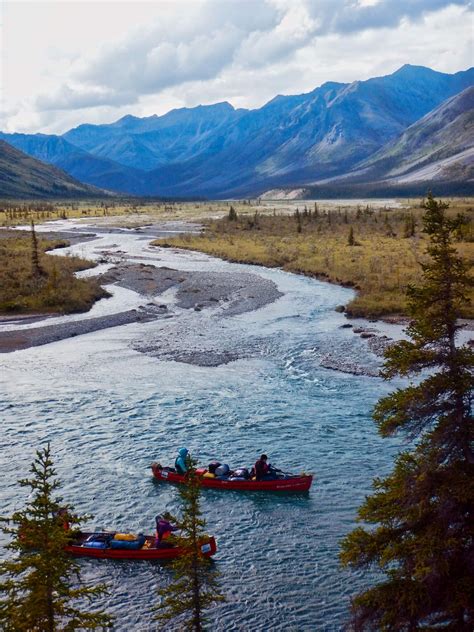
x=115, y=212
x=55, y=289
x=381, y=264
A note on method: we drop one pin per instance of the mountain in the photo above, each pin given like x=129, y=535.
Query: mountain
x=94, y=170
x=435, y=152
x=325, y=133
x=22, y=176
x=217, y=151
x=156, y=140
x=432, y=147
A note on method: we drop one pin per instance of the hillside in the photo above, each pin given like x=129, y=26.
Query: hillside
x=22, y=176
x=100, y=172
x=441, y=139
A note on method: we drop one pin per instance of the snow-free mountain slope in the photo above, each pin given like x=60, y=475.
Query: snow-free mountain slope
x=22, y=176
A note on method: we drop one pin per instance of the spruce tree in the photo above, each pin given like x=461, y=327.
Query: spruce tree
x=422, y=514
x=195, y=586
x=41, y=584
x=36, y=268
x=350, y=239
x=298, y=221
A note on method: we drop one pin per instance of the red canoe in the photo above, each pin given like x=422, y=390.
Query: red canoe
x=147, y=552
x=293, y=483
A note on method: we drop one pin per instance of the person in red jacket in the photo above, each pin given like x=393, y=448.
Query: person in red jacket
x=262, y=468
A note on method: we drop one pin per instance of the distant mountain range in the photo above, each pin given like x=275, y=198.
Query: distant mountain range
x=414, y=126
x=22, y=176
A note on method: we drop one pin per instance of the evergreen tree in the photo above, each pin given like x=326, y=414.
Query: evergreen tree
x=232, y=216
x=36, y=268
x=423, y=512
x=350, y=239
x=410, y=226
x=42, y=582
x=298, y=221
x=195, y=587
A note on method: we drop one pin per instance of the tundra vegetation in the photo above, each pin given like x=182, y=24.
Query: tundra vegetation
x=372, y=247
x=33, y=281
x=421, y=516
x=377, y=251
x=41, y=586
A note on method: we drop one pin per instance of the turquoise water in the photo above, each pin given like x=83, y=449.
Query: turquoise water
x=109, y=411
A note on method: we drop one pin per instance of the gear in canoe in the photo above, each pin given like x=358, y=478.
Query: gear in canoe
x=118, y=545
x=262, y=477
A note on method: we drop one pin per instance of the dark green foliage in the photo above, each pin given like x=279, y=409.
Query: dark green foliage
x=195, y=586
x=232, y=216
x=410, y=226
x=298, y=221
x=36, y=268
x=42, y=583
x=423, y=512
x=350, y=239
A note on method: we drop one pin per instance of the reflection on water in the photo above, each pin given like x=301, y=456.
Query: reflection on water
x=109, y=411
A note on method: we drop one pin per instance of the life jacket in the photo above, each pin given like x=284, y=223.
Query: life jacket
x=163, y=528
x=261, y=468
x=180, y=463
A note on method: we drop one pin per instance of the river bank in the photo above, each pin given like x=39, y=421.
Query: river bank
x=160, y=293
x=181, y=300
x=33, y=282
x=375, y=250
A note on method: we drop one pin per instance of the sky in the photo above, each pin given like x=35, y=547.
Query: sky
x=69, y=62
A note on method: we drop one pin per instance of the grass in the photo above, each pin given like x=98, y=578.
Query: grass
x=380, y=265
x=121, y=212
x=52, y=288
x=389, y=247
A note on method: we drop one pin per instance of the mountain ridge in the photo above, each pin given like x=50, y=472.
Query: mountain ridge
x=292, y=140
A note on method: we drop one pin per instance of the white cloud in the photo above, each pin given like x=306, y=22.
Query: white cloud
x=71, y=62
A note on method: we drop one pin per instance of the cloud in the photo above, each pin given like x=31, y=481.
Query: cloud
x=68, y=98
x=209, y=37
x=295, y=29
x=161, y=55
x=180, y=47
x=351, y=16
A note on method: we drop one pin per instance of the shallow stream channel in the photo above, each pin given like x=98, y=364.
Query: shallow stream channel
x=229, y=361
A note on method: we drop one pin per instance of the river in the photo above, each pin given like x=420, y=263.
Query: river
x=110, y=410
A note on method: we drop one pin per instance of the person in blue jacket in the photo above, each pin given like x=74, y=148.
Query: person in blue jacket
x=180, y=463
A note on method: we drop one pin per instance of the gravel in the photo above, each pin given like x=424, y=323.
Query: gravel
x=228, y=293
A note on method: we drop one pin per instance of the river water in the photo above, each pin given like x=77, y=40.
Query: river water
x=109, y=411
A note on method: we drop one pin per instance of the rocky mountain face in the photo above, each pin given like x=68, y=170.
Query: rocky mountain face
x=22, y=176
x=439, y=143
x=217, y=151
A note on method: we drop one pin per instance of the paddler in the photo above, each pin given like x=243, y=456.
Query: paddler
x=181, y=461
